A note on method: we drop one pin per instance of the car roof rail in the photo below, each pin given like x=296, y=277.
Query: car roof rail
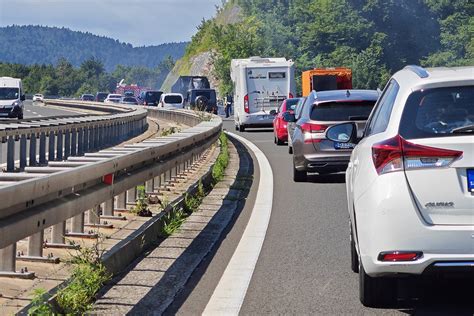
x=420, y=71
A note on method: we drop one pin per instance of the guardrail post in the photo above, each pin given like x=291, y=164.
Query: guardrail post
x=35, y=244
x=58, y=233
x=98, y=137
x=33, y=161
x=51, y=151
x=8, y=259
x=149, y=186
x=11, y=154
x=93, y=216
x=86, y=140
x=93, y=139
x=77, y=224
x=42, y=149
x=67, y=144
x=59, y=146
x=122, y=201
x=109, y=208
x=132, y=196
x=80, y=142
x=22, y=152
x=74, y=142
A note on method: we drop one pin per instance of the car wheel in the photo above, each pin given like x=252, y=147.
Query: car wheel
x=279, y=142
x=290, y=150
x=237, y=127
x=354, y=256
x=376, y=291
x=241, y=128
x=299, y=176
x=20, y=116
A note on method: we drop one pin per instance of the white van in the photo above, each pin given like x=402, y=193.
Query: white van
x=260, y=86
x=11, y=97
x=171, y=101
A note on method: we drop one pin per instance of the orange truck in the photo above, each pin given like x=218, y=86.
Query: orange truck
x=321, y=79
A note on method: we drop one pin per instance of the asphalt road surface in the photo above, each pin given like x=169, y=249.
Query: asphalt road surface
x=37, y=109
x=304, y=266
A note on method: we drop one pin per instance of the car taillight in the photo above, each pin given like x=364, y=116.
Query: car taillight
x=313, y=133
x=246, y=104
x=290, y=95
x=397, y=154
x=396, y=256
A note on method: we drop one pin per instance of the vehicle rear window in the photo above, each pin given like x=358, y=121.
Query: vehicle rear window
x=207, y=94
x=437, y=112
x=173, y=99
x=291, y=104
x=342, y=111
x=153, y=96
x=277, y=75
x=130, y=99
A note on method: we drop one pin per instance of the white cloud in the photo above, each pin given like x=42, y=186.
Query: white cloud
x=139, y=22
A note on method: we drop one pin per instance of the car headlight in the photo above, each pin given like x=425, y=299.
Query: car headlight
x=16, y=103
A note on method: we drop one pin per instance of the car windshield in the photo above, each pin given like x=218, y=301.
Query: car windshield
x=437, y=112
x=342, y=111
x=291, y=104
x=9, y=93
x=173, y=99
x=153, y=96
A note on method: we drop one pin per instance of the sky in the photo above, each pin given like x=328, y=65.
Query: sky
x=138, y=22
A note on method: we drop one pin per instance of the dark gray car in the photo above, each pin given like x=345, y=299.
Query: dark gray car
x=312, y=151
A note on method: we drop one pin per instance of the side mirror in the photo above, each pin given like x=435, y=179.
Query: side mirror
x=273, y=112
x=343, y=133
x=23, y=97
x=289, y=117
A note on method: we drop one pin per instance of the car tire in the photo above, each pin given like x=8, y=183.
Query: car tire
x=290, y=150
x=279, y=142
x=237, y=127
x=241, y=128
x=299, y=176
x=20, y=116
x=354, y=255
x=376, y=291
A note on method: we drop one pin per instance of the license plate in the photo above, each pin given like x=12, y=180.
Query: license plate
x=470, y=180
x=263, y=117
x=344, y=146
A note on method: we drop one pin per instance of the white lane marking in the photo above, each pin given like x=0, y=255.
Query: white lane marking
x=34, y=113
x=230, y=292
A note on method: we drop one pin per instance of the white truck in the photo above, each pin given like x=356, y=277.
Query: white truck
x=260, y=86
x=11, y=97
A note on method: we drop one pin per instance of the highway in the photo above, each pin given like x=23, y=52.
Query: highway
x=304, y=266
x=34, y=110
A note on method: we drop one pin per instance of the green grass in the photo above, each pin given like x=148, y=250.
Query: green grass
x=222, y=160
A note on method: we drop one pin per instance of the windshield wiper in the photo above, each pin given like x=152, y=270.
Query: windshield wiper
x=464, y=130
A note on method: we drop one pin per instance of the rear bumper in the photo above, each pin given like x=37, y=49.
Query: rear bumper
x=257, y=120
x=326, y=164
x=282, y=134
x=388, y=220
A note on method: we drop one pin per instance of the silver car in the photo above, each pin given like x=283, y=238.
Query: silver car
x=312, y=151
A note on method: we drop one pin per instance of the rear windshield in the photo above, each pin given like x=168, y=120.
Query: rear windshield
x=153, y=95
x=291, y=104
x=173, y=99
x=342, y=111
x=437, y=112
x=207, y=94
x=130, y=99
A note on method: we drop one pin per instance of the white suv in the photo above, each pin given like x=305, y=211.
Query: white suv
x=410, y=181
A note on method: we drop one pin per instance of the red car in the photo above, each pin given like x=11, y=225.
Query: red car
x=280, y=131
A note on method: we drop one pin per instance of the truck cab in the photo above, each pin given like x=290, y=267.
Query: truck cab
x=11, y=98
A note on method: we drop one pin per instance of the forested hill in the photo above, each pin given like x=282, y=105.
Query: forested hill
x=46, y=45
x=373, y=37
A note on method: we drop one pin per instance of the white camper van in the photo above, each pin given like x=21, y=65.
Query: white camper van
x=11, y=97
x=260, y=85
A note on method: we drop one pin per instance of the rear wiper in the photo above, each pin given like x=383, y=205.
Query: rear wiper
x=358, y=118
x=464, y=130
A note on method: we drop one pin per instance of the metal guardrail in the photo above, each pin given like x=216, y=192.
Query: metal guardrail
x=61, y=193
x=58, y=139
